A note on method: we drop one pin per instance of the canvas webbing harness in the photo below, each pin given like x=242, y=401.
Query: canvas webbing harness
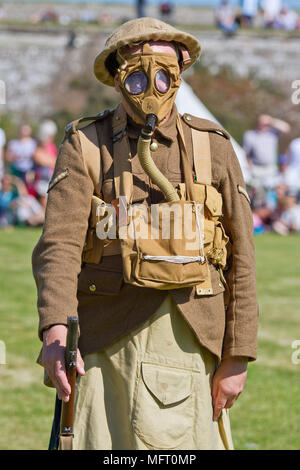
x=123, y=178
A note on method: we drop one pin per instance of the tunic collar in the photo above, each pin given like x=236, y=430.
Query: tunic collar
x=167, y=131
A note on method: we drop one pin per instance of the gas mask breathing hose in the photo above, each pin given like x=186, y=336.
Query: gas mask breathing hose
x=148, y=164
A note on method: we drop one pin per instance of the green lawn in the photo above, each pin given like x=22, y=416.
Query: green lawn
x=267, y=414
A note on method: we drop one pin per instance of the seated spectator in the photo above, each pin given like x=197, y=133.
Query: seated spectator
x=261, y=146
x=225, y=19
x=271, y=10
x=287, y=19
x=44, y=158
x=17, y=207
x=8, y=192
x=19, y=153
x=262, y=210
x=49, y=15
x=26, y=210
x=289, y=219
x=249, y=10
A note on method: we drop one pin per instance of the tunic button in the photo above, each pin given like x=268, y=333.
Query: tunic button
x=92, y=287
x=188, y=118
x=214, y=209
x=153, y=146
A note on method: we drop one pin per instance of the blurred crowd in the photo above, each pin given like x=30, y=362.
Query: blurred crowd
x=89, y=15
x=49, y=14
x=267, y=13
x=26, y=167
x=274, y=179
x=273, y=183
x=229, y=18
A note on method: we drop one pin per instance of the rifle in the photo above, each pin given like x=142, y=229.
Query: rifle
x=62, y=427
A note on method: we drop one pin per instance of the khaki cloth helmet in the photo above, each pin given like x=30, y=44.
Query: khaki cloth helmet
x=140, y=30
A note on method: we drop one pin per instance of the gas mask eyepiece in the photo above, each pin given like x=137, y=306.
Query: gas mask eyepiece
x=136, y=83
x=162, y=81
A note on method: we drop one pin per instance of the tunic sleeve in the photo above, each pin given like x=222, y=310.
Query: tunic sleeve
x=242, y=313
x=56, y=259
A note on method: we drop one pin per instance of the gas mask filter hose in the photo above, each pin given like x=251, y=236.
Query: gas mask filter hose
x=148, y=164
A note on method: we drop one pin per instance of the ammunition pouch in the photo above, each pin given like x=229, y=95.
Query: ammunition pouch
x=95, y=247
x=150, y=259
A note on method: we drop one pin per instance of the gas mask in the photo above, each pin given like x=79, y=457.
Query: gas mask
x=149, y=82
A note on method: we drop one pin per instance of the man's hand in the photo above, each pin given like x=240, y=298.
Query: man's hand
x=53, y=359
x=228, y=383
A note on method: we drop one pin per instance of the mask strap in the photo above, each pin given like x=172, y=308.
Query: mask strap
x=122, y=61
x=187, y=170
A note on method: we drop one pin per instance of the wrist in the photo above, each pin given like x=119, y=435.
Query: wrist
x=240, y=362
x=54, y=333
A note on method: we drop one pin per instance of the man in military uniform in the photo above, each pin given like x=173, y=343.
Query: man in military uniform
x=157, y=368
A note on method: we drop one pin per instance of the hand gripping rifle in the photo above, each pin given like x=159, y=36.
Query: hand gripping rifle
x=62, y=428
x=67, y=412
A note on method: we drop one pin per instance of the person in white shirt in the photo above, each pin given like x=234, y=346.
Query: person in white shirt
x=225, y=18
x=261, y=147
x=271, y=10
x=249, y=10
x=287, y=19
x=20, y=151
x=292, y=173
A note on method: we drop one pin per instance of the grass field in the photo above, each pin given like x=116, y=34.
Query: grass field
x=266, y=416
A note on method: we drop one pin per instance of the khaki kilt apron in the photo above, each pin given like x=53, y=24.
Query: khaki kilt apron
x=150, y=390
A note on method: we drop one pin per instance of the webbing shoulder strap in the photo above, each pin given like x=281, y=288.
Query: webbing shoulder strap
x=91, y=154
x=123, y=179
x=187, y=169
x=202, y=156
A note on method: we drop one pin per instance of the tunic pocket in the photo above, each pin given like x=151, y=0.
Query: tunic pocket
x=163, y=410
x=95, y=281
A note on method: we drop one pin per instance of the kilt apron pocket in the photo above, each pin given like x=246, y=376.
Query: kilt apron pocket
x=163, y=409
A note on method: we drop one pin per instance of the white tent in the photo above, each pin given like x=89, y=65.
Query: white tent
x=187, y=102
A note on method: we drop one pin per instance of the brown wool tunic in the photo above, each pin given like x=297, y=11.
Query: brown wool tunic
x=114, y=308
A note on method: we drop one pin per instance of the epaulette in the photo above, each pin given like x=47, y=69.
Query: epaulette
x=204, y=125
x=73, y=125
